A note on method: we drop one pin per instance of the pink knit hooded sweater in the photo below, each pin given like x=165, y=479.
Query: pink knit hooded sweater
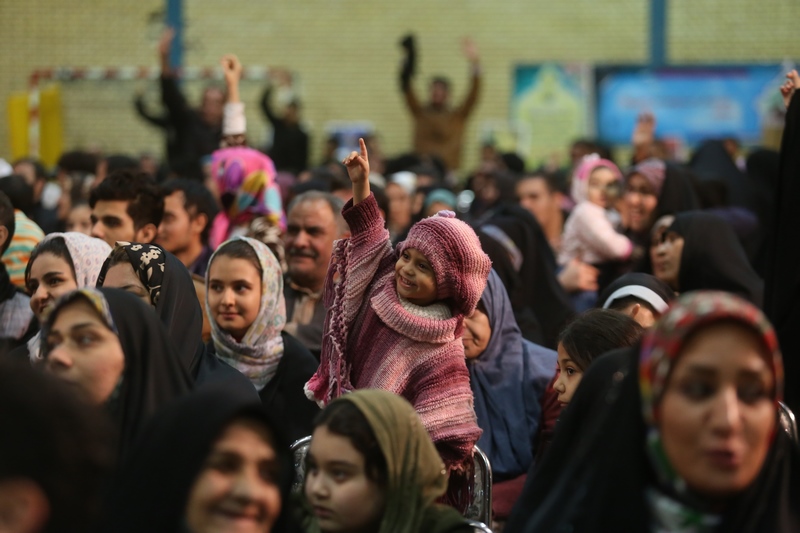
x=372, y=340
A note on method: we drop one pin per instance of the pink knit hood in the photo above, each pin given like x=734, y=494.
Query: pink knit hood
x=459, y=263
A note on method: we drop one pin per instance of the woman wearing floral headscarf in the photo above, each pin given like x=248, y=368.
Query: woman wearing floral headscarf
x=244, y=300
x=686, y=437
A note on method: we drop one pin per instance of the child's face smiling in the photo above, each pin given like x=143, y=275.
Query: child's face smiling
x=414, y=278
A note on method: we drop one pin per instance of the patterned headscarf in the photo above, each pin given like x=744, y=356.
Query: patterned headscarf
x=260, y=351
x=148, y=263
x=172, y=293
x=245, y=180
x=88, y=255
x=662, y=346
x=653, y=170
x=580, y=180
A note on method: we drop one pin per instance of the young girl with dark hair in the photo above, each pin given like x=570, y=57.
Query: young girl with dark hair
x=371, y=466
x=245, y=302
x=589, y=336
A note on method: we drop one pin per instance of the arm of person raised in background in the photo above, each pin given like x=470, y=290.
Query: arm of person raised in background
x=407, y=73
x=471, y=53
x=599, y=235
x=171, y=96
x=266, y=107
x=643, y=137
x=234, y=123
x=158, y=121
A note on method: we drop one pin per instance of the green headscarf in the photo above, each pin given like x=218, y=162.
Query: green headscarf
x=416, y=474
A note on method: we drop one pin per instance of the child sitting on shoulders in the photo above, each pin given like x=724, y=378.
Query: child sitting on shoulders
x=395, y=316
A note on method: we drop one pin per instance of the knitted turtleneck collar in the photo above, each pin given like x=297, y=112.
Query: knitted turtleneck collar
x=434, y=311
x=402, y=317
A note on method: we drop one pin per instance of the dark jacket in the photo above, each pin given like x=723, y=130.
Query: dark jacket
x=194, y=138
x=283, y=396
x=289, y=149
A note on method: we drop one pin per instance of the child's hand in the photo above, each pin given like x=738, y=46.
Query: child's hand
x=358, y=170
x=231, y=68
x=358, y=164
x=789, y=87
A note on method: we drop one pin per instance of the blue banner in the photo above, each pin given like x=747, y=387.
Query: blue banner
x=690, y=103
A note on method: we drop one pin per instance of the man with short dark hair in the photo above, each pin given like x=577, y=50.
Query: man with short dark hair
x=314, y=222
x=189, y=210
x=16, y=318
x=538, y=193
x=126, y=206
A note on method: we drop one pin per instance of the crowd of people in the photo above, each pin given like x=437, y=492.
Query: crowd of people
x=608, y=334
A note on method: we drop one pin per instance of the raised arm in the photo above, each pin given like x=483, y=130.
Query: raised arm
x=232, y=71
x=171, y=95
x=643, y=137
x=358, y=170
x=164, y=46
x=368, y=252
x=279, y=77
x=471, y=53
x=160, y=121
x=407, y=73
x=266, y=106
x=234, y=124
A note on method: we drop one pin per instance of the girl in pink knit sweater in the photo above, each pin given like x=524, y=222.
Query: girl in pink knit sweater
x=395, y=316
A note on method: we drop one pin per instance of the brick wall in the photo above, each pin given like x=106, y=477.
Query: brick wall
x=346, y=52
x=733, y=31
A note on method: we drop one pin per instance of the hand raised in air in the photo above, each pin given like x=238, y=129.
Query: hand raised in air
x=358, y=164
x=789, y=87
